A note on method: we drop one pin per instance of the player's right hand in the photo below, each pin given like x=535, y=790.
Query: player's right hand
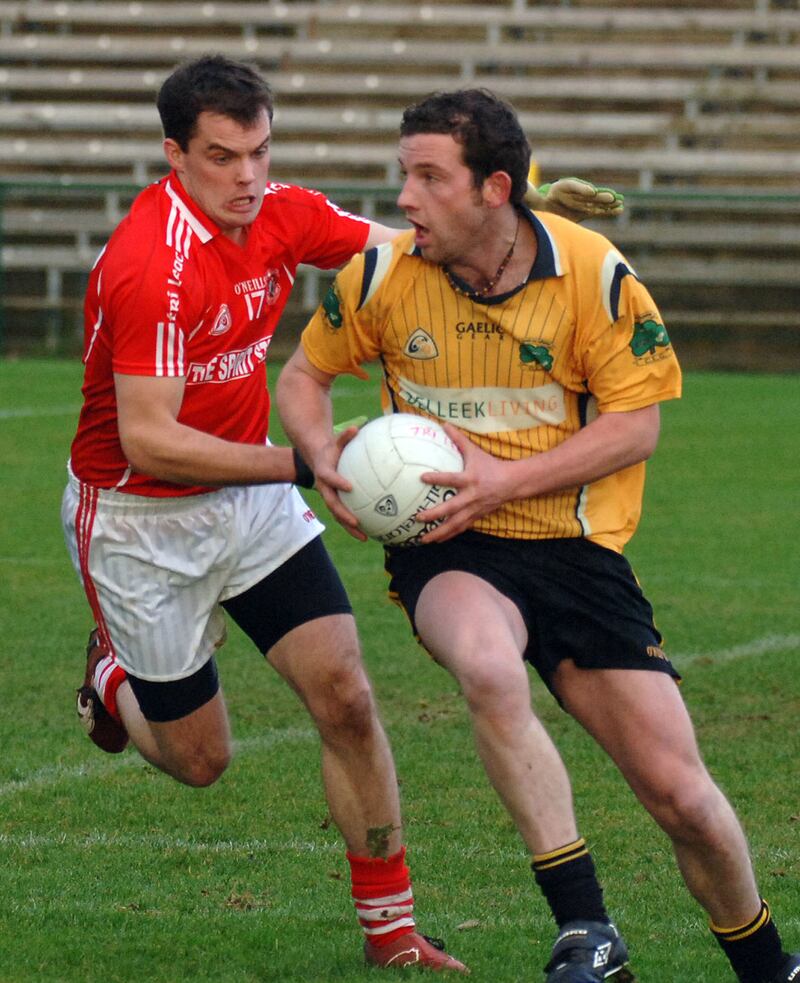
x=329, y=481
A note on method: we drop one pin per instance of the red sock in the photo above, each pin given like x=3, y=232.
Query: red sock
x=382, y=895
x=108, y=675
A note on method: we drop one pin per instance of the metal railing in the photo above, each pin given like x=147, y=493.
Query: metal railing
x=732, y=241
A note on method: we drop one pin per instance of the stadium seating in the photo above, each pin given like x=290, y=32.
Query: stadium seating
x=692, y=112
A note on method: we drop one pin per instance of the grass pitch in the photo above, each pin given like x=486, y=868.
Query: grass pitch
x=112, y=872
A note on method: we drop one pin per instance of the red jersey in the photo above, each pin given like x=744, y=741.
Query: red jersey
x=170, y=295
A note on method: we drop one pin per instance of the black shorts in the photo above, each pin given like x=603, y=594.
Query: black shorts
x=305, y=587
x=302, y=589
x=578, y=600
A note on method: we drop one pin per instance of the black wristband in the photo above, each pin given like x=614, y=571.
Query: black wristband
x=305, y=476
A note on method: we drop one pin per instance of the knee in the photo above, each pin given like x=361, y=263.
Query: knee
x=687, y=809
x=493, y=693
x=203, y=767
x=343, y=703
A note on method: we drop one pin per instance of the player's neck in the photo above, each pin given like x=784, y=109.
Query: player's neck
x=238, y=236
x=500, y=262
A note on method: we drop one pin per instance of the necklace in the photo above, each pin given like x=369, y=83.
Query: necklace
x=490, y=284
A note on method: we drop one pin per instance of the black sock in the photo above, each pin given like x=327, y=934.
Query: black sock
x=569, y=883
x=754, y=949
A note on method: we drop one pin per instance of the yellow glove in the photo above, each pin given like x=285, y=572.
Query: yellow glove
x=357, y=421
x=574, y=198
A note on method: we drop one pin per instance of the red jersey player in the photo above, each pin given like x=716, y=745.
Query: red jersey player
x=175, y=296
x=177, y=506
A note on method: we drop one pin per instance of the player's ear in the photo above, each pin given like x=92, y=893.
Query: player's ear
x=173, y=153
x=496, y=189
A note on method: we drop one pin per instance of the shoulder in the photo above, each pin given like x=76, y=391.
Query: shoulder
x=574, y=240
x=279, y=195
x=151, y=250
x=282, y=199
x=145, y=227
x=372, y=274
x=589, y=261
x=322, y=233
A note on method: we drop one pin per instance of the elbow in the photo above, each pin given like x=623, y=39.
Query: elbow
x=138, y=457
x=648, y=446
x=283, y=386
x=650, y=434
x=142, y=455
x=638, y=433
x=638, y=450
x=289, y=379
x=299, y=384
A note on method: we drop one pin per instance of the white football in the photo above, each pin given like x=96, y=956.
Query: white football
x=383, y=463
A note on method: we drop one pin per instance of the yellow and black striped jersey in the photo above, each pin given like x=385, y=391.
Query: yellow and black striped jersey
x=519, y=373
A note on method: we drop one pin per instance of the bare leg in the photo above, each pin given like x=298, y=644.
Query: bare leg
x=478, y=635
x=640, y=719
x=321, y=661
x=195, y=749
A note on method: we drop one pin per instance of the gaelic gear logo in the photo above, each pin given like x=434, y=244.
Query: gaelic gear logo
x=421, y=346
x=647, y=337
x=332, y=307
x=531, y=353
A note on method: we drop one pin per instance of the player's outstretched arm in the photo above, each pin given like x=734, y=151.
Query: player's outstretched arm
x=157, y=444
x=304, y=404
x=575, y=199
x=378, y=234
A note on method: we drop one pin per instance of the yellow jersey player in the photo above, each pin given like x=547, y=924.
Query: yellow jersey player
x=546, y=357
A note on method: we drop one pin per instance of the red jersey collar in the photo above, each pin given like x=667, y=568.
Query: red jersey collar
x=193, y=215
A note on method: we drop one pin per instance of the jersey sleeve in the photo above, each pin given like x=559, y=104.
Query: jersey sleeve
x=345, y=331
x=626, y=354
x=148, y=309
x=331, y=235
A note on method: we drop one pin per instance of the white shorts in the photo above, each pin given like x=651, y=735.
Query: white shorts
x=155, y=569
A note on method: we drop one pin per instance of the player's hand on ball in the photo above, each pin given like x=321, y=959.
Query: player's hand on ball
x=575, y=199
x=384, y=464
x=329, y=482
x=483, y=485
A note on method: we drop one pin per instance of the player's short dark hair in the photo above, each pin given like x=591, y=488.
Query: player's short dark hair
x=212, y=84
x=486, y=127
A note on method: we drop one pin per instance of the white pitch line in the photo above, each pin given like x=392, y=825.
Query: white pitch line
x=27, y=412
x=29, y=841
x=160, y=842
x=758, y=646
x=54, y=774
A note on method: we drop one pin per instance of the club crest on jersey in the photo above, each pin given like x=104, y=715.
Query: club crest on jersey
x=222, y=322
x=536, y=353
x=332, y=307
x=648, y=335
x=420, y=345
x=272, y=286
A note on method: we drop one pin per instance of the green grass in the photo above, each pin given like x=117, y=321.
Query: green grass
x=112, y=872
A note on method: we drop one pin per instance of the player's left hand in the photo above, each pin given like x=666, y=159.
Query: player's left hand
x=575, y=199
x=483, y=485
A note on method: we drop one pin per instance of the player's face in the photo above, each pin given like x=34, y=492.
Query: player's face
x=224, y=169
x=439, y=197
